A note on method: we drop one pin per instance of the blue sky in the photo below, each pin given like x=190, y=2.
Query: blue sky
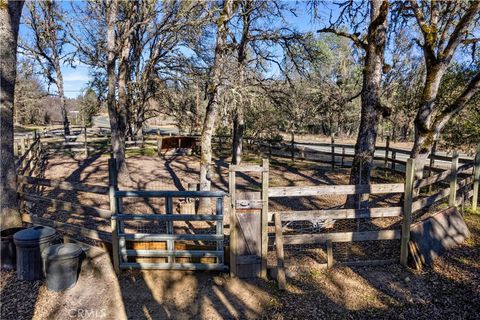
x=76, y=79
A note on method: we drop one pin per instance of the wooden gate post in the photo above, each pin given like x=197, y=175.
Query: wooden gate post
x=112, y=187
x=476, y=179
x=453, y=181
x=265, y=177
x=407, y=210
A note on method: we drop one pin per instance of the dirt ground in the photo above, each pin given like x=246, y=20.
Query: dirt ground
x=448, y=290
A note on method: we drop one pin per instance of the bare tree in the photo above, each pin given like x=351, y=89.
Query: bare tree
x=444, y=27
x=10, y=13
x=143, y=55
x=47, y=46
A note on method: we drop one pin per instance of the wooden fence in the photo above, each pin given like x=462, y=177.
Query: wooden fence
x=30, y=156
x=458, y=183
x=341, y=155
x=463, y=183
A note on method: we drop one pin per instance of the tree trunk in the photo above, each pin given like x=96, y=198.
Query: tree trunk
x=238, y=130
x=371, y=105
x=424, y=135
x=212, y=106
x=121, y=110
x=10, y=13
x=117, y=135
x=61, y=91
x=63, y=106
x=428, y=127
x=239, y=119
x=430, y=120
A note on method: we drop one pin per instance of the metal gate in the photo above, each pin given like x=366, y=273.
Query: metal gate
x=171, y=250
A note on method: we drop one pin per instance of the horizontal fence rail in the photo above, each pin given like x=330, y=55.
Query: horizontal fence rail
x=66, y=205
x=64, y=185
x=335, y=190
x=341, y=237
x=170, y=194
x=338, y=214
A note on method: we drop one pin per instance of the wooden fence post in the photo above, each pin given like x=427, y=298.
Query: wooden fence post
x=432, y=163
x=264, y=217
x=22, y=146
x=292, y=146
x=476, y=179
x=112, y=187
x=86, y=146
x=233, y=224
x=282, y=281
x=387, y=149
x=453, y=181
x=333, y=150
x=394, y=157
x=330, y=261
x=343, y=157
x=159, y=146
x=407, y=210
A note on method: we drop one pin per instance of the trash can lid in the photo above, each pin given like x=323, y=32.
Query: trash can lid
x=62, y=251
x=34, y=233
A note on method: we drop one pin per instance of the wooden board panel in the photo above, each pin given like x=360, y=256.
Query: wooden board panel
x=341, y=237
x=437, y=234
x=335, y=190
x=246, y=168
x=245, y=204
x=340, y=214
x=170, y=266
x=248, y=200
x=248, y=244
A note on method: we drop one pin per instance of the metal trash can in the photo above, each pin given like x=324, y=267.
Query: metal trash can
x=8, y=253
x=61, y=265
x=30, y=243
